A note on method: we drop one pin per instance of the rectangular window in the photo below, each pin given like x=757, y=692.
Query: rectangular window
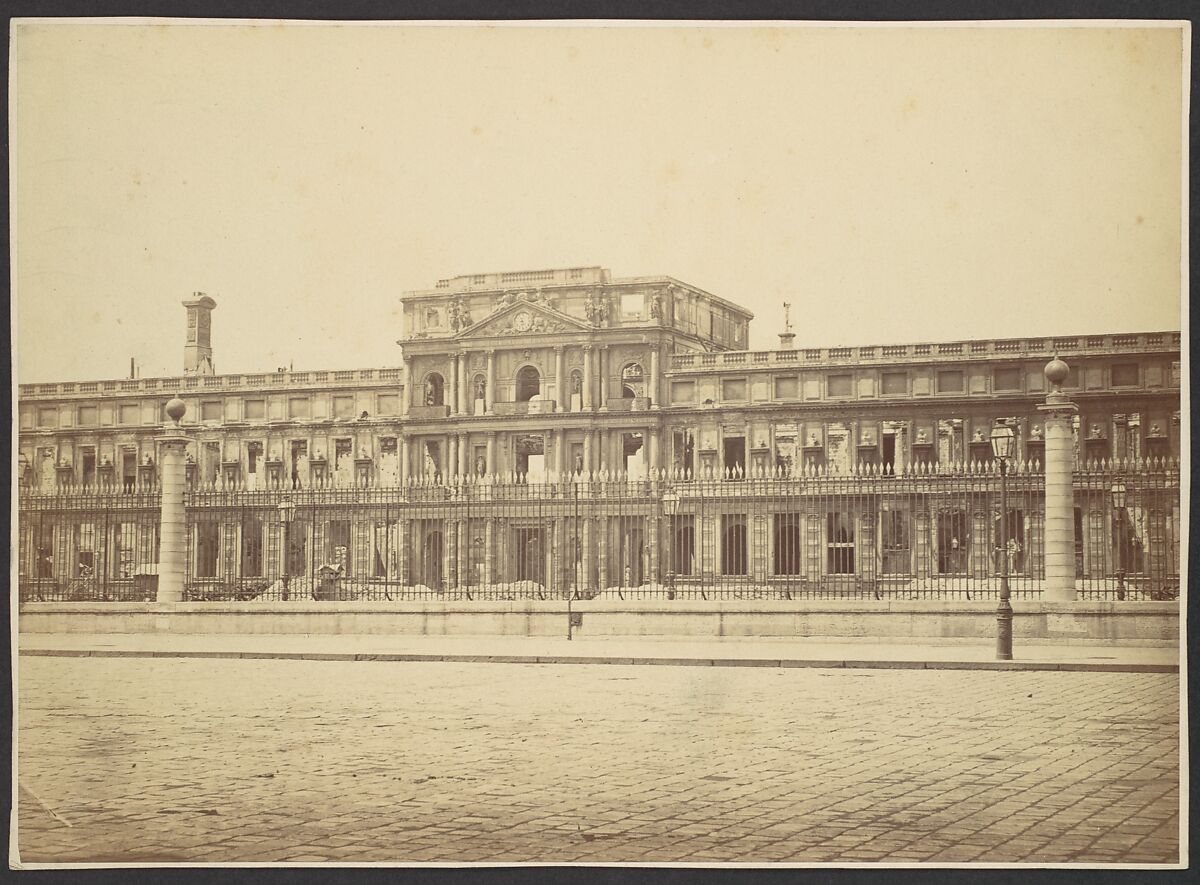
x=341, y=452
x=950, y=381
x=733, y=544
x=789, y=550
x=207, y=546
x=1125, y=375
x=299, y=407
x=211, y=410
x=252, y=547
x=895, y=383
x=87, y=459
x=952, y=542
x=125, y=536
x=86, y=416
x=254, y=452
x=128, y=413
x=343, y=407
x=1006, y=379
x=683, y=541
x=839, y=541
x=895, y=542
x=840, y=385
x=787, y=387
x=85, y=545
x=733, y=389
x=129, y=468
x=256, y=409
x=388, y=404
x=47, y=417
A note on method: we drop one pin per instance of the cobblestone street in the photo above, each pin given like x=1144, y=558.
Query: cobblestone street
x=130, y=760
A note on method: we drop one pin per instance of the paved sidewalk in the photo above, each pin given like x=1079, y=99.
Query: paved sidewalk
x=756, y=652
x=178, y=760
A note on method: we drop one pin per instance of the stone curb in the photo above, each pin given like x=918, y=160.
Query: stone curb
x=839, y=664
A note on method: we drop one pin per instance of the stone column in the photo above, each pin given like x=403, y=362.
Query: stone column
x=589, y=353
x=173, y=520
x=451, y=454
x=602, y=382
x=560, y=443
x=408, y=386
x=654, y=379
x=491, y=453
x=489, y=551
x=651, y=448
x=451, y=393
x=583, y=574
x=587, y=450
x=402, y=551
x=602, y=549
x=464, y=383
x=403, y=459
x=653, y=543
x=1058, y=411
x=464, y=454
x=462, y=540
x=489, y=395
x=560, y=387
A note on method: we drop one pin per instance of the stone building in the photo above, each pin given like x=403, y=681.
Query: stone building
x=540, y=374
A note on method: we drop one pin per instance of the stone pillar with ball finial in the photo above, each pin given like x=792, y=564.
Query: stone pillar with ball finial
x=173, y=524
x=1059, y=582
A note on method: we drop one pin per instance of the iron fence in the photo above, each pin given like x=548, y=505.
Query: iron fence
x=931, y=532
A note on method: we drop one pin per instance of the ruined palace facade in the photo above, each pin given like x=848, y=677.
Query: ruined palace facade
x=539, y=375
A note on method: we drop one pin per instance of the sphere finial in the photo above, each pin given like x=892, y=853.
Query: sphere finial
x=176, y=408
x=1056, y=372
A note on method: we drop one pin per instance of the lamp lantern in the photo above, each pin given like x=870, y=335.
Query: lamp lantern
x=1003, y=442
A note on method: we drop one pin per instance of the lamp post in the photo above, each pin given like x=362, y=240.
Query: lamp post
x=287, y=512
x=670, y=506
x=1118, y=503
x=1003, y=439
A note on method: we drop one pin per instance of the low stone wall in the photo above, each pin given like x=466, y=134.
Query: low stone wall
x=1114, y=623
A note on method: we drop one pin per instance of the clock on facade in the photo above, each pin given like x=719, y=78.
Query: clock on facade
x=522, y=322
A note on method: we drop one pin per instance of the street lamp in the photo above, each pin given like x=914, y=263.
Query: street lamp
x=1118, y=503
x=670, y=506
x=287, y=512
x=1003, y=443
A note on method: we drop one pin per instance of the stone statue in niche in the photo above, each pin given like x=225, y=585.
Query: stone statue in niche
x=978, y=437
x=1155, y=430
x=430, y=393
x=480, y=465
x=576, y=383
x=1036, y=433
x=656, y=310
x=814, y=440
x=480, y=388
x=922, y=437
x=579, y=463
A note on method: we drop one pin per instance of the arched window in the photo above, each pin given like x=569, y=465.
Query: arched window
x=631, y=380
x=434, y=393
x=529, y=384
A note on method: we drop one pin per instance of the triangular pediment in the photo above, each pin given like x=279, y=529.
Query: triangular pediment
x=523, y=317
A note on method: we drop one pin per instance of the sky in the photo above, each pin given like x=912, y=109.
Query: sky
x=893, y=184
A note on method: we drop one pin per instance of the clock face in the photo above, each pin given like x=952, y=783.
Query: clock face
x=522, y=322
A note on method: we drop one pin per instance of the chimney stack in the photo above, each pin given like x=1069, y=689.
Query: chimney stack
x=197, y=352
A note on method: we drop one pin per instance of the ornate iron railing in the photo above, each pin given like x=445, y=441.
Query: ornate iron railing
x=926, y=533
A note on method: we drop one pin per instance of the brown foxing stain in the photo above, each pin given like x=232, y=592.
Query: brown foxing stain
x=1140, y=219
